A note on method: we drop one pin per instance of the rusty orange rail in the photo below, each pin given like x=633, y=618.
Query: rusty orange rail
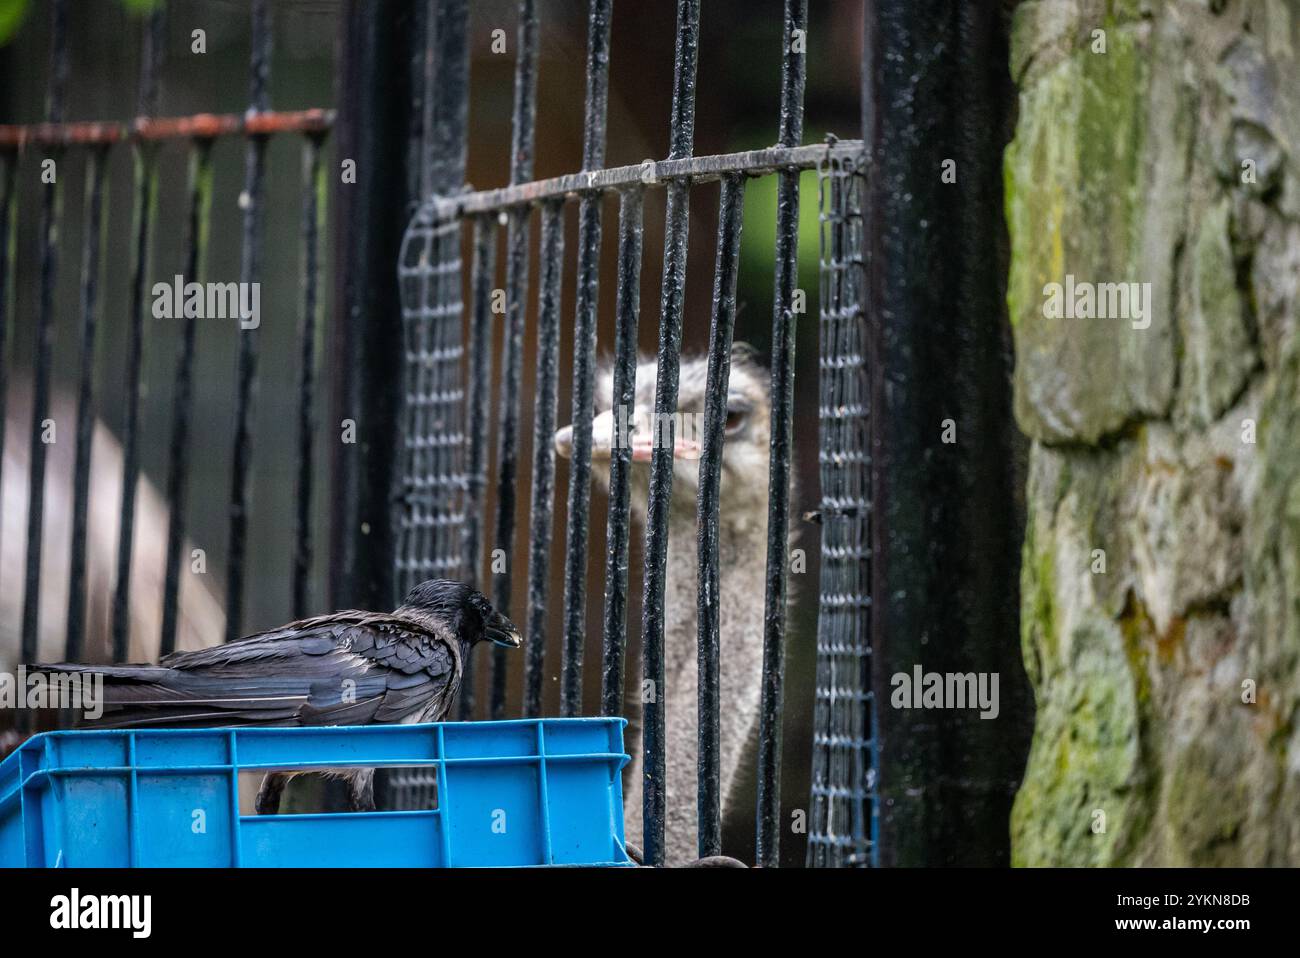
x=200, y=126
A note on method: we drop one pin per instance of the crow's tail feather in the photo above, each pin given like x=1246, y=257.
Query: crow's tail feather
x=160, y=697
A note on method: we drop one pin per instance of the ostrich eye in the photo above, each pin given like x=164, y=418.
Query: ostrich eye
x=735, y=420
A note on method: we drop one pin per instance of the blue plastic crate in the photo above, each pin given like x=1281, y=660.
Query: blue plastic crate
x=531, y=792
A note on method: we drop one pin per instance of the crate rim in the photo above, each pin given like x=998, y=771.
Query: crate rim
x=39, y=741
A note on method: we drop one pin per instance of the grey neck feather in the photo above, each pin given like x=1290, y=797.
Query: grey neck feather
x=742, y=555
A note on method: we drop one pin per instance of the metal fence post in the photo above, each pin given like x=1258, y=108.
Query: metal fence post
x=379, y=139
x=44, y=342
x=945, y=531
x=793, y=78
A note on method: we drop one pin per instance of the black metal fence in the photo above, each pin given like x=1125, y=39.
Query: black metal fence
x=440, y=515
x=448, y=416
x=28, y=148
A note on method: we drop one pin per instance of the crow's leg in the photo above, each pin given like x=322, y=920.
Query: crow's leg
x=361, y=791
x=268, y=796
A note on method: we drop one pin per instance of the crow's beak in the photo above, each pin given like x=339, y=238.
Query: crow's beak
x=501, y=632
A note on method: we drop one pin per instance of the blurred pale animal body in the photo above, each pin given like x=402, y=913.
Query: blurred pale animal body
x=201, y=621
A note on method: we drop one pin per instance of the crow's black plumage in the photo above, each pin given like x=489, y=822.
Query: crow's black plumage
x=349, y=668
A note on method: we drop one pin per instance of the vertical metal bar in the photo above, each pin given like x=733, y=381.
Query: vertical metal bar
x=91, y=237
x=146, y=182
x=483, y=275
x=377, y=129
x=575, y=553
x=793, y=67
x=421, y=374
x=873, y=358
x=682, y=138
x=313, y=216
x=196, y=246
x=584, y=350
x=947, y=530
x=448, y=112
x=249, y=270
x=709, y=808
x=444, y=172
x=419, y=106
x=541, y=508
x=8, y=161
x=523, y=127
x=44, y=338
x=620, y=455
x=512, y=356
x=512, y=342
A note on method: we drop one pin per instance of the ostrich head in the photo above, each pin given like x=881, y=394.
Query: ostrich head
x=743, y=494
x=742, y=530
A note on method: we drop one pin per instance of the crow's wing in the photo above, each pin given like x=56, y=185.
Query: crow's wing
x=351, y=668
x=420, y=671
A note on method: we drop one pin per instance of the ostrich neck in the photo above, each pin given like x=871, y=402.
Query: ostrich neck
x=742, y=563
x=742, y=566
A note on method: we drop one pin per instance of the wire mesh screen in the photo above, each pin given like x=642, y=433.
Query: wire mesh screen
x=431, y=509
x=841, y=829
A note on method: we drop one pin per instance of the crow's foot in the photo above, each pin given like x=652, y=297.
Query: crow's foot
x=268, y=796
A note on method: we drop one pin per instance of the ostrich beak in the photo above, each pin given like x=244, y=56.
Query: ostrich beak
x=602, y=436
x=640, y=441
x=683, y=448
x=564, y=442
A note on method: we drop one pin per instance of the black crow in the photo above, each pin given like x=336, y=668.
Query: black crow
x=349, y=668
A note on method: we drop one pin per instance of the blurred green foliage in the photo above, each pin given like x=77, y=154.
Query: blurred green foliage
x=13, y=12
